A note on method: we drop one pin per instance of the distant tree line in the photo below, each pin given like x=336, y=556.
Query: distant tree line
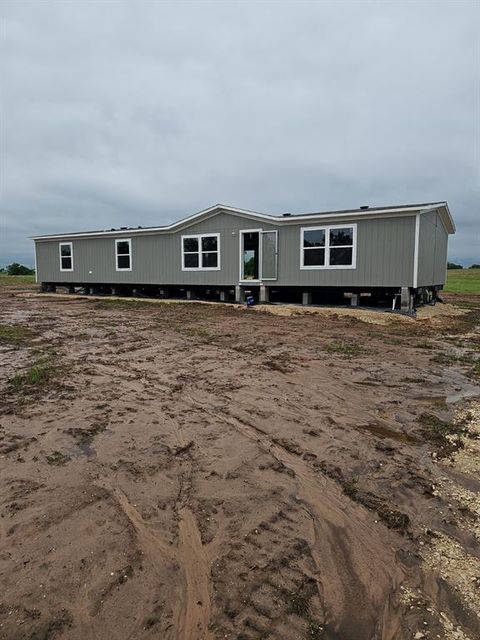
x=452, y=265
x=16, y=269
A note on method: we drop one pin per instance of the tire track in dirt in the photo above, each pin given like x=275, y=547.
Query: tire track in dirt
x=194, y=615
x=192, y=607
x=355, y=564
x=147, y=538
x=154, y=550
x=196, y=566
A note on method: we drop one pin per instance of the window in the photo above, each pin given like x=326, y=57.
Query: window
x=201, y=252
x=123, y=255
x=328, y=247
x=66, y=256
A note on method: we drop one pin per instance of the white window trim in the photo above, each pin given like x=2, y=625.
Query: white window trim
x=60, y=245
x=117, y=268
x=327, y=247
x=199, y=237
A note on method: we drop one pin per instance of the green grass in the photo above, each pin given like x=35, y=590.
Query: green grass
x=463, y=281
x=14, y=334
x=444, y=436
x=467, y=360
x=347, y=349
x=424, y=344
x=124, y=303
x=436, y=426
x=37, y=376
x=16, y=280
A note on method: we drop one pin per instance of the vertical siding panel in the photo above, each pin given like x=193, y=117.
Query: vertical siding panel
x=433, y=241
x=384, y=256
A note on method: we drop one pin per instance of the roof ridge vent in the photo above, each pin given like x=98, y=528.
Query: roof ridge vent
x=363, y=207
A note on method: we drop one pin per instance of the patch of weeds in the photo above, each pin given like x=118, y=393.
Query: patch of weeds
x=445, y=436
x=280, y=363
x=350, y=487
x=445, y=358
x=424, y=344
x=314, y=631
x=125, y=303
x=198, y=317
x=413, y=380
x=466, y=360
x=198, y=333
x=57, y=458
x=86, y=436
x=435, y=425
x=392, y=518
x=298, y=602
x=14, y=334
x=37, y=376
x=346, y=349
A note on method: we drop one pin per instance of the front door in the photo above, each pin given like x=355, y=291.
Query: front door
x=250, y=256
x=258, y=255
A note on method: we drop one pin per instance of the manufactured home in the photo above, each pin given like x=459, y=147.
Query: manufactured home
x=392, y=255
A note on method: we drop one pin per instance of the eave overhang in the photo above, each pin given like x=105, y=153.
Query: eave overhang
x=281, y=221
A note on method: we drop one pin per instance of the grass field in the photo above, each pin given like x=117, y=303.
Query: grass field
x=463, y=281
x=15, y=280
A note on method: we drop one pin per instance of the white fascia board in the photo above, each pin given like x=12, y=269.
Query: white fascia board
x=277, y=220
x=445, y=216
x=180, y=224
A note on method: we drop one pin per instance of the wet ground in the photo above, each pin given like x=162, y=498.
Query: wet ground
x=184, y=471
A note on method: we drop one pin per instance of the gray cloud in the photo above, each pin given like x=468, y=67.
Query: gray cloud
x=126, y=113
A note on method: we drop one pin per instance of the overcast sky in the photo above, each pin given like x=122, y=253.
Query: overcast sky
x=140, y=113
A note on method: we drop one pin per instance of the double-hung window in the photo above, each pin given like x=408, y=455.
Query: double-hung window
x=201, y=252
x=331, y=247
x=123, y=254
x=66, y=256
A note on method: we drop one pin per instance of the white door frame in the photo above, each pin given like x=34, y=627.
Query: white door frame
x=240, y=250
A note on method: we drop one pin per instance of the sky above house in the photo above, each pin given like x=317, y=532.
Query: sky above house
x=141, y=113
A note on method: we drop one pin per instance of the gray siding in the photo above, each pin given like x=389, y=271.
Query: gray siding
x=432, y=250
x=385, y=254
x=385, y=249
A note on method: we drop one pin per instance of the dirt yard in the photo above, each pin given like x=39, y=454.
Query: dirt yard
x=202, y=472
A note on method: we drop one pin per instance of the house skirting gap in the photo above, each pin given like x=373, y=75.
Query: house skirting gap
x=395, y=298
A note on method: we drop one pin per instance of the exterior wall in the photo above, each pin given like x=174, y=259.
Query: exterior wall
x=385, y=249
x=432, y=250
x=385, y=255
